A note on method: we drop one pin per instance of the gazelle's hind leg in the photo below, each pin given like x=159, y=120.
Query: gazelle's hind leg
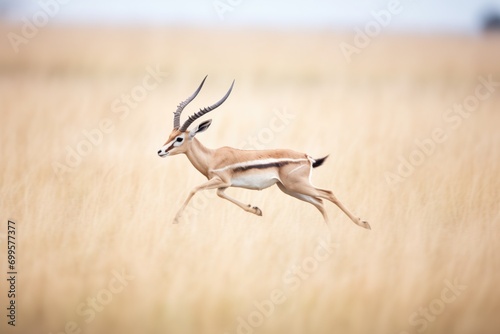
x=317, y=202
x=298, y=183
x=327, y=194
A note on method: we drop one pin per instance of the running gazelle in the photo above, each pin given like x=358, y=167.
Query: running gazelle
x=251, y=169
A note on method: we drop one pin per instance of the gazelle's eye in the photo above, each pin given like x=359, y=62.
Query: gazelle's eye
x=179, y=139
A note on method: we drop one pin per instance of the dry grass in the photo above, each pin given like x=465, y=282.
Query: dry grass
x=113, y=211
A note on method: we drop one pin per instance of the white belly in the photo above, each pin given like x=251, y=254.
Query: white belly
x=255, y=181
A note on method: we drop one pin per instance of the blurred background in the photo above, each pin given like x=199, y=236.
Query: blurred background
x=445, y=16
x=403, y=95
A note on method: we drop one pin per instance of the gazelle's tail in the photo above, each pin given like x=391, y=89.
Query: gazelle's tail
x=319, y=162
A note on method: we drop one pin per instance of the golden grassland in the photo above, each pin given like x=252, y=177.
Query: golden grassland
x=435, y=222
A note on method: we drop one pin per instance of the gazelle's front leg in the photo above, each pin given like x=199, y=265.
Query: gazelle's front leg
x=213, y=183
x=248, y=208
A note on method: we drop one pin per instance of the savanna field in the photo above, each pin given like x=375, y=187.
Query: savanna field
x=411, y=126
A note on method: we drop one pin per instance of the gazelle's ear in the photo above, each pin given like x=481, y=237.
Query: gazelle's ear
x=200, y=128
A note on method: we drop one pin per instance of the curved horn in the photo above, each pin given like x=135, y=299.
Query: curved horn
x=180, y=107
x=204, y=111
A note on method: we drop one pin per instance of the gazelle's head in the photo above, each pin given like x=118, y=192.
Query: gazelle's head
x=180, y=138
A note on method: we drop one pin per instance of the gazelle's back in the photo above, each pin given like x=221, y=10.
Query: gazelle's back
x=226, y=156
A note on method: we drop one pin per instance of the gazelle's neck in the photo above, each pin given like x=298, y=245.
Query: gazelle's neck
x=199, y=156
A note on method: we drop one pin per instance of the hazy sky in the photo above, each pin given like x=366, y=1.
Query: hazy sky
x=416, y=15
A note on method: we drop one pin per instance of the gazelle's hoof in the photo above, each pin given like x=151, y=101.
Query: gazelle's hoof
x=257, y=211
x=254, y=210
x=176, y=220
x=366, y=225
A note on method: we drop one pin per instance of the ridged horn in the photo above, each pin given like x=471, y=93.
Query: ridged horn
x=206, y=110
x=183, y=104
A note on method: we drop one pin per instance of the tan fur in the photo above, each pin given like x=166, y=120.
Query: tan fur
x=293, y=178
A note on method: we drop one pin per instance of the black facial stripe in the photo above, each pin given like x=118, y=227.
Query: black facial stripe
x=262, y=166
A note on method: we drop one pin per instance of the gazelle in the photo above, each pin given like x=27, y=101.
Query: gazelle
x=251, y=169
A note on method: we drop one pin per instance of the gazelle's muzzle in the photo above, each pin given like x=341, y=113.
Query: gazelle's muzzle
x=164, y=151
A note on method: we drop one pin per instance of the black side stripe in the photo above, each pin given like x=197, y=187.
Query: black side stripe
x=262, y=166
